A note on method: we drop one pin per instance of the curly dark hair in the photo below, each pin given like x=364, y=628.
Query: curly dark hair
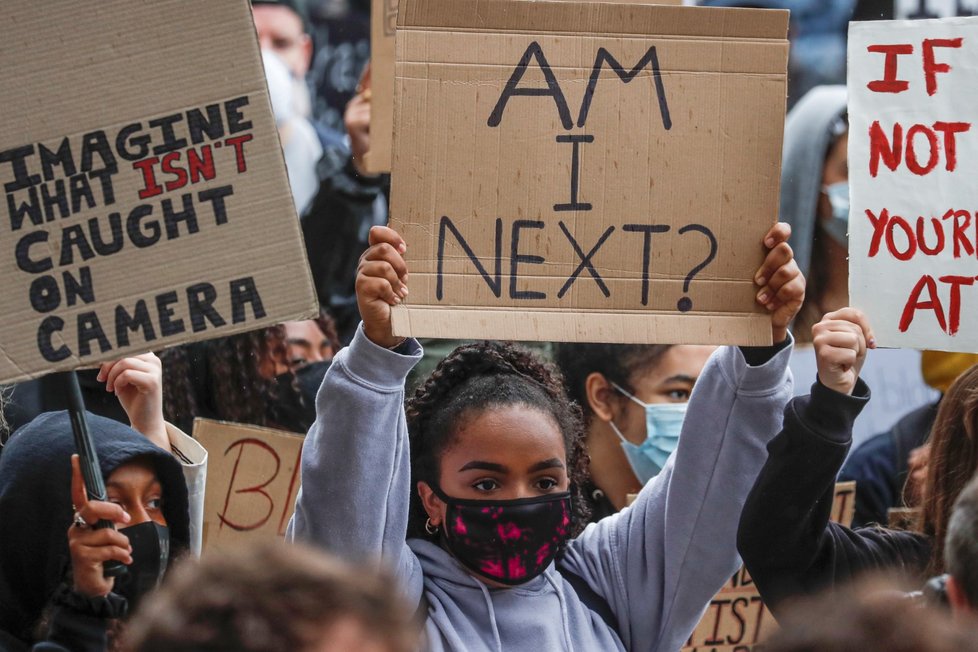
x=616, y=362
x=476, y=377
x=227, y=374
x=268, y=596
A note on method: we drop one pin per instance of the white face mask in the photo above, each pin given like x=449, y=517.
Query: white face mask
x=663, y=423
x=837, y=226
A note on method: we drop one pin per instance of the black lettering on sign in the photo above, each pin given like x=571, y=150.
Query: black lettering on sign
x=515, y=258
x=138, y=320
x=575, y=141
x=647, y=230
x=650, y=59
x=494, y=282
x=533, y=51
x=585, y=261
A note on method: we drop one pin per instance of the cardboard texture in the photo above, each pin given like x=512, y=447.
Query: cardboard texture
x=145, y=200
x=252, y=481
x=383, y=21
x=737, y=620
x=913, y=158
x=591, y=172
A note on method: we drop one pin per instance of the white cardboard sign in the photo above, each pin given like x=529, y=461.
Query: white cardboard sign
x=913, y=165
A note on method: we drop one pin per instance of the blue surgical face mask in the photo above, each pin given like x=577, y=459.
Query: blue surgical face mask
x=837, y=227
x=663, y=423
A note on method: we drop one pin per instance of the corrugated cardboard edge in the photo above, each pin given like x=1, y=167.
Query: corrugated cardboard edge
x=559, y=325
x=570, y=17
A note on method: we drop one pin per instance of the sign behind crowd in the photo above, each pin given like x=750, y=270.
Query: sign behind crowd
x=913, y=159
x=737, y=619
x=585, y=171
x=252, y=480
x=144, y=196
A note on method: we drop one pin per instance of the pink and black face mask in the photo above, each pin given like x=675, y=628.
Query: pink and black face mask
x=508, y=541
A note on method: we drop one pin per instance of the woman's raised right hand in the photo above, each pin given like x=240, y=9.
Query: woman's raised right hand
x=381, y=284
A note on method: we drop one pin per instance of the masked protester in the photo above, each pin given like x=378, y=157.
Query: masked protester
x=634, y=399
x=815, y=200
x=267, y=377
x=52, y=589
x=471, y=493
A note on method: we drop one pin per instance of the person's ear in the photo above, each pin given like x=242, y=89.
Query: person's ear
x=432, y=504
x=601, y=396
x=956, y=597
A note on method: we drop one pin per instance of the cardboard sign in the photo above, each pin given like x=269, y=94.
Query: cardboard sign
x=737, y=619
x=913, y=158
x=592, y=172
x=383, y=21
x=252, y=480
x=894, y=377
x=144, y=195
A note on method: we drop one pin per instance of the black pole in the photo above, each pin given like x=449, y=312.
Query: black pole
x=88, y=459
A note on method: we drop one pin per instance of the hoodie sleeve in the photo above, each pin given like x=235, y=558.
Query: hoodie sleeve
x=788, y=543
x=659, y=562
x=356, y=472
x=193, y=459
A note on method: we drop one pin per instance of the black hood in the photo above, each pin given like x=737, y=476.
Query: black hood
x=35, y=506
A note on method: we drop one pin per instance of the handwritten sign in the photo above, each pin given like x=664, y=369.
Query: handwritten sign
x=737, y=619
x=572, y=171
x=252, y=480
x=144, y=197
x=913, y=157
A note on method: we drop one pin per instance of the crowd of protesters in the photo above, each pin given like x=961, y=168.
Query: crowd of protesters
x=574, y=496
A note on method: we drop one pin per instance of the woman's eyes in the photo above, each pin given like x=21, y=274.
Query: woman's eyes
x=486, y=484
x=154, y=504
x=546, y=484
x=678, y=394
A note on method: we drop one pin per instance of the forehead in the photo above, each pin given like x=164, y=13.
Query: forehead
x=135, y=474
x=513, y=435
x=307, y=330
x=680, y=360
x=277, y=20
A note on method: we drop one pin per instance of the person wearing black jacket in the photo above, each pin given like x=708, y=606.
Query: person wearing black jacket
x=785, y=538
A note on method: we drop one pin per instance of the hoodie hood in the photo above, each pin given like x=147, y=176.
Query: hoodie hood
x=807, y=135
x=35, y=506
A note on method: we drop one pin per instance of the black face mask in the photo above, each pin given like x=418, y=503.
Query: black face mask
x=309, y=378
x=150, y=543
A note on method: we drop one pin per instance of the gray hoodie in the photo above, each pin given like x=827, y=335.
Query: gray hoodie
x=657, y=563
x=807, y=136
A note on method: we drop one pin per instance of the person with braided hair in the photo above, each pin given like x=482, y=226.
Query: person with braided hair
x=470, y=494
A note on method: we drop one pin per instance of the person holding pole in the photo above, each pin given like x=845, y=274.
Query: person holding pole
x=53, y=590
x=467, y=493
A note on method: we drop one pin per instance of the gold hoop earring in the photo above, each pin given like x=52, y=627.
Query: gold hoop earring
x=430, y=528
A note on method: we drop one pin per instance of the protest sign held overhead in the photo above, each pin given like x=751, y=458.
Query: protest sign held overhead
x=145, y=201
x=595, y=172
x=252, y=480
x=913, y=157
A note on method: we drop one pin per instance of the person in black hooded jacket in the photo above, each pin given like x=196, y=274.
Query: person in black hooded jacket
x=47, y=596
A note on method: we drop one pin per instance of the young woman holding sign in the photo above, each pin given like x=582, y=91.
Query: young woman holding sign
x=467, y=494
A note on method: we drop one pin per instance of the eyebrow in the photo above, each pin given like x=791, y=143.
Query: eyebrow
x=680, y=378
x=484, y=466
x=552, y=463
x=298, y=341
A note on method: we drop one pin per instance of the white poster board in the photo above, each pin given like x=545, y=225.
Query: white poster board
x=913, y=162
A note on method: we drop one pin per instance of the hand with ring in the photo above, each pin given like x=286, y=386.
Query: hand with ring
x=90, y=547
